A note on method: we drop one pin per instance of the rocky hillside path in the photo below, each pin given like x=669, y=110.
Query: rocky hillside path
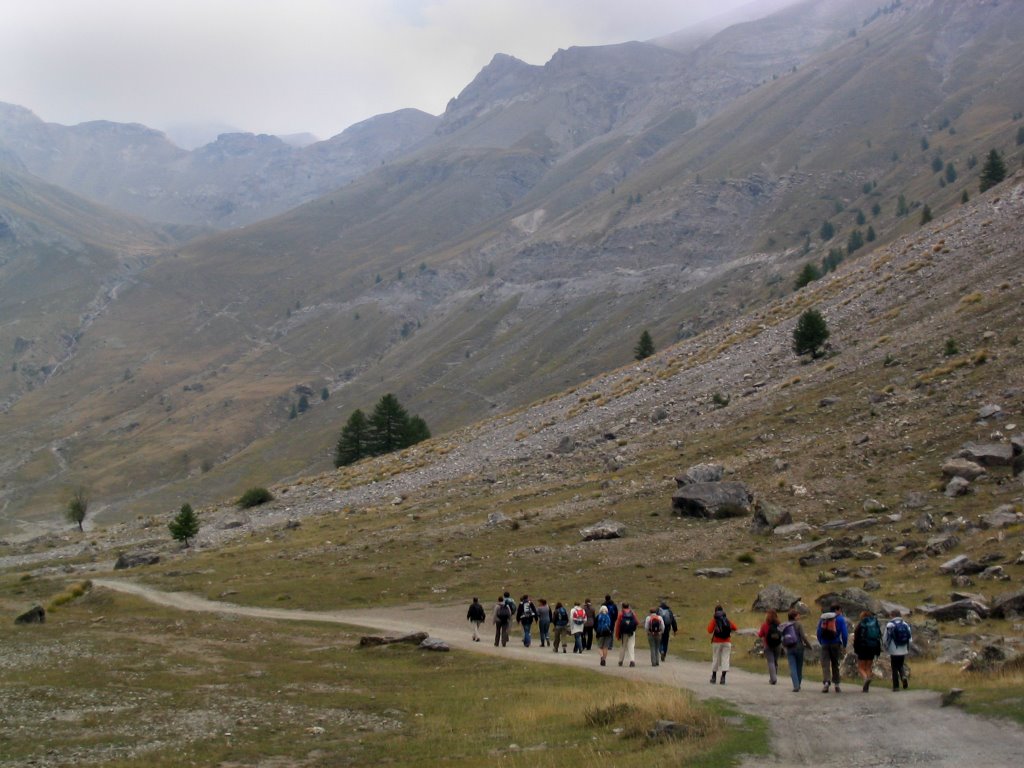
x=881, y=728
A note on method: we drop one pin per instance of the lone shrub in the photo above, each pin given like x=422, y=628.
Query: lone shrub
x=810, y=334
x=254, y=497
x=77, y=507
x=185, y=526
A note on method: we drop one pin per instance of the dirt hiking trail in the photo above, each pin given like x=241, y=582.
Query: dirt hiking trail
x=880, y=728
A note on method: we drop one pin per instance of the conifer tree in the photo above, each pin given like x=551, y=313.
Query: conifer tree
x=644, y=347
x=992, y=172
x=388, y=427
x=418, y=430
x=810, y=334
x=185, y=525
x=353, y=443
x=808, y=274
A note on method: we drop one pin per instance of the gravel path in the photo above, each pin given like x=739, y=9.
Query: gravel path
x=881, y=728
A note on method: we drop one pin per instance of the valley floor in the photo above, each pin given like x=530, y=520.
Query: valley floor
x=908, y=728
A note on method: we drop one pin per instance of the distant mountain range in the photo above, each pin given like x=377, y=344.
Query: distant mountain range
x=470, y=263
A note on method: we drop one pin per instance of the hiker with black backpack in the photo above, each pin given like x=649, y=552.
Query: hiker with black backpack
x=771, y=639
x=560, y=620
x=795, y=641
x=501, y=617
x=625, y=632
x=833, y=635
x=898, y=637
x=720, y=628
x=669, y=620
x=613, y=612
x=525, y=614
x=867, y=645
x=476, y=615
x=655, y=627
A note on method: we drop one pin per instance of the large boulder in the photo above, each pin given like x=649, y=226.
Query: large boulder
x=1000, y=517
x=853, y=601
x=126, y=560
x=413, y=638
x=988, y=454
x=768, y=517
x=961, y=565
x=775, y=597
x=960, y=609
x=941, y=544
x=701, y=473
x=606, y=529
x=34, y=615
x=713, y=573
x=1009, y=605
x=713, y=500
x=962, y=467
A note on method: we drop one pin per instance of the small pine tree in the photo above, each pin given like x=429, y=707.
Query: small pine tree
x=644, y=347
x=926, y=214
x=965, y=197
x=352, y=445
x=876, y=209
x=860, y=218
x=77, y=507
x=185, y=525
x=810, y=334
x=418, y=430
x=992, y=172
x=325, y=393
x=854, y=242
x=827, y=231
x=870, y=236
x=902, y=209
x=294, y=413
x=951, y=174
x=936, y=164
x=1020, y=135
x=808, y=274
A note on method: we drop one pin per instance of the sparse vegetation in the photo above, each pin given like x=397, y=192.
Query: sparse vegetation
x=254, y=497
x=77, y=507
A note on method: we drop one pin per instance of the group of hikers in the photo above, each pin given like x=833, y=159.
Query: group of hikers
x=607, y=622
x=583, y=622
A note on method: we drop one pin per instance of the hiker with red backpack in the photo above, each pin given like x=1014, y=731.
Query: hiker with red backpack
x=577, y=620
x=867, y=645
x=833, y=635
x=655, y=627
x=625, y=632
x=771, y=638
x=720, y=628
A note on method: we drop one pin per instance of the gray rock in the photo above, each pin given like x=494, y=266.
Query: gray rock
x=871, y=585
x=794, y=529
x=34, y=615
x=962, y=467
x=853, y=601
x=941, y=544
x=713, y=573
x=951, y=650
x=658, y=414
x=768, y=517
x=1009, y=605
x=955, y=610
x=1000, y=517
x=606, y=529
x=413, y=638
x=775, y=597
x=669, y=729
x=874, y=506
x=888, y=608
x=135, y=560
x=975, y=596
x=957, y=487
x=961, y=564
x=994, y=573
x=989, y=410
x=434, y=644
x=827, y=402
x=713, y=500
x=701, y=473
x=565, y=445
x=961, y=580
x=925, y=523
x=951, y=697
x=915, y=500
x=988, y=454
x=496, y=518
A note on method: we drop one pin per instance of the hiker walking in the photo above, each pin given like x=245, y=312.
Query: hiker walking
x=603, y=628
x=655, y=627
x=669, y=620
x=613, y=612
x=794, y=641
x=577, y=619
x=476, y=615
x=833, y=635
x=898, y=636
x=625, y=632
x=502, y=617
x=560, y=620
x=771, y=637
x=720, y=628
x=543, y=621
x=588, y=625
x=525, y=614
x=867, y=645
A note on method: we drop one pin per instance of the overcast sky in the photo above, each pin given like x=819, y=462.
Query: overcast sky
x=289, y=66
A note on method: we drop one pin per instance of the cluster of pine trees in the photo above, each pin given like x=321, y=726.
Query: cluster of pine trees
x=389, y=428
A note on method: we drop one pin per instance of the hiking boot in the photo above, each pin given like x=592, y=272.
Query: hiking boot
x=632, y=663
x=620, y=663
x=867, y=684
x=602, y=662
x=714, y=678
x=722, y=681
x=563, y=649
x=825, y=687
x=837, y=688
x=906, y=683
x=663, y=656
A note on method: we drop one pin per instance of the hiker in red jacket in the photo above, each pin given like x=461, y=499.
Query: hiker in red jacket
x=720, y=628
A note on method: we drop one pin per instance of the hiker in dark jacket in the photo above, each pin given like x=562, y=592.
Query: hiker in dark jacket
x=867, y=645
x=833, y=636
x=669, y=618
x=560, y=620
x=613, y=613
x=588, y=624
x=771, y=638
x=525, y=614
x=476, y=615
x=543, y=621
x=502, y=617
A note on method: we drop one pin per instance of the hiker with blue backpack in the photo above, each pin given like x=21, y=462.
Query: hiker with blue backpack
x=560, y=620
x=867, y=645
x=898, y=637
x=603, y=628
x=833, y=636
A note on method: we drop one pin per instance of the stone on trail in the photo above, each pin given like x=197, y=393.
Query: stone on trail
x=713, y=501
x=606, y=529
x=951, y=697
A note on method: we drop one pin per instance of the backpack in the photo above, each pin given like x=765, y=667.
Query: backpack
x=627, y=623
x=901, y=633
x=871, y=634
x=604, y=625
x=723, y=630
x=774, y=637
x=527, y=612
x=655, y=626
x=666, y=617
x=504, y=613
x=579, y=617
x=790, y=637
x=476, y=612
x=827, y=628
x=561, y=617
